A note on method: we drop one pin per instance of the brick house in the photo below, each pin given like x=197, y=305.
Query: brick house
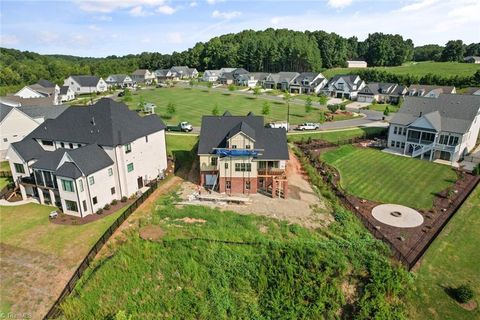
x=238, y=155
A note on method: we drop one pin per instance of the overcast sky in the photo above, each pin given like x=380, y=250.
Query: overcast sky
x=105, y=27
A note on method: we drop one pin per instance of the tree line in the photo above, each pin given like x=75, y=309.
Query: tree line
x=454, y=50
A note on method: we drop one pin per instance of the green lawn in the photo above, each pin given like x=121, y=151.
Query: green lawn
x=290, y=273
x=446, y=69
x=4, y=166
x=379, y=176
x=452, y=260
x=4, y=182
x=180, y=142
x=381, y=107
x=334, y=136
x=192, y=104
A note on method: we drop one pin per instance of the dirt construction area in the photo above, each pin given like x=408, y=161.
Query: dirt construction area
x=303, y=206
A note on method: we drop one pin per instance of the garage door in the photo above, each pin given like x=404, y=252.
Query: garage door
x=361, y=98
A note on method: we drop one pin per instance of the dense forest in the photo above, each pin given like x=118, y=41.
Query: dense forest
x=269, y=50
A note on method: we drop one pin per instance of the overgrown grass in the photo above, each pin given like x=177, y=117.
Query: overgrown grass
x=4, y=182
x=4, y=166
x=334, y=136
x=281, y=271
x=379, y=176
x=183, y=148
x=445, y=69
x=452, y=260
x=381, y=107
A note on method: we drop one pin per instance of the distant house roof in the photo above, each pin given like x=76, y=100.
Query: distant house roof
x=140, y=72
x=472, y=90
x=350, y=79
x=46, y=91
x=46, y=112
x=421, y=89
x=215, y=131
x=117, y=78
x=374, y=88
x=448, y=112
x=307, y=76
x=107, y=122
x=19, y=101
x=287, y=76
x=259, y=76
x=86, y=81
x=46, y=84
x=472, y=58
x=64, y=90
x=4, y=110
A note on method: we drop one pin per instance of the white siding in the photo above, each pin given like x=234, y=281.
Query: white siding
x=27, y=93
x=14, y=127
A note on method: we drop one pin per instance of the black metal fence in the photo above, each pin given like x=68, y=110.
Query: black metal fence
x=55, y=311
x=5, y=174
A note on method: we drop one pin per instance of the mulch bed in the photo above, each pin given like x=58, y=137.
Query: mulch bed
x=408, y=244
x=66, y=219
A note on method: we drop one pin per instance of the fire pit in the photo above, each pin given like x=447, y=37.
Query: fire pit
x=396, y=215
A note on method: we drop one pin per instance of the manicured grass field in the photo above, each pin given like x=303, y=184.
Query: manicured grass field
x=334, y=136
x=288, y=271
x=446, y=69
x=387, y=178
x=192, y=104
x=452, y=260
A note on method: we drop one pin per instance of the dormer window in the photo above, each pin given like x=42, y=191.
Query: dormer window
x=247, y=146
x=234, y=146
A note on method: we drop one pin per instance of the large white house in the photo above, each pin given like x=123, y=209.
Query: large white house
x=89, y=156
x=443, y=128
x=119, y=80
x=86, y=84
x=37, y=93
x=344, y=86
x=17, y=122
x=143, y=76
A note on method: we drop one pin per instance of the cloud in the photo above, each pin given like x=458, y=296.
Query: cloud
x=417, y=5
x=193, y=4
x=8, y=40
x=103, y=18
x=339, y=4
x=47, y=37
x=225, y=15
x=165, y=9
x=211, y=2
x=107, y=6
x=275, y=20
x=80, y=39
x=138, y=12
x=175, y=37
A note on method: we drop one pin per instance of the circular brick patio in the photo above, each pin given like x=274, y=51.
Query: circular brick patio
x=396, y=215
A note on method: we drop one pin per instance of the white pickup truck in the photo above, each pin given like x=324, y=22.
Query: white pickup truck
x=308, y=126
x=283, y=125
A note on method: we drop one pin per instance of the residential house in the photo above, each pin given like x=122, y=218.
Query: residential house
x=252, y=80
x=344, y=86
x=183, y=72
x=119, y=80
x=356, y=64
x=238, y=155
x=66, y=94
x=17, y=122
x=307, y=83
x=280, y=81
x=143, y=76
x=86, y=84
x=472, y=59
x=382, y=92
x=232, y=76
x=420, y=90
x=211, y=75
x=89, y=156
x=472, y=90
x=42, y=89
x=443, y=128
x=16, y=101
x=163, y=75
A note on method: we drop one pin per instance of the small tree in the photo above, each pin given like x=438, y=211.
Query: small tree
x=127, y=97
x=266, y=108
x=215, y=110
x=191, y=83
x=209, y=86
x=322, y=118
x=171, y=108
x=323, y=99
x=463, y=293
x=256, y=91
x=308, y=105
x=386, y=112
x=142, y=103
x=332, y=108
x=342, y=107
x=231, y=87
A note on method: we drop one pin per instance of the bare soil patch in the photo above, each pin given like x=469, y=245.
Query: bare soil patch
x=470, y=305
x=151, y=233
x=191, y=220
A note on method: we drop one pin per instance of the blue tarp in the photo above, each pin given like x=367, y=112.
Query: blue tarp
x=236, y=152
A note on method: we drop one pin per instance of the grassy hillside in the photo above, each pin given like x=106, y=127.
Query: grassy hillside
x=446, y=69
x=452, y=260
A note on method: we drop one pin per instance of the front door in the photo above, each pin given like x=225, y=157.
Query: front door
x=140, y=182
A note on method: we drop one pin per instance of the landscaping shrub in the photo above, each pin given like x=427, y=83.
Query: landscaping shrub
x=114, y=202
x=476, y=170
x=333, y=107
x=463, y=293
x=124, y=199
x=106, y=207
x=99, y=211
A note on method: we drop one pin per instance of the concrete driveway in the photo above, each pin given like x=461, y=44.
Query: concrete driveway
x=356, y=106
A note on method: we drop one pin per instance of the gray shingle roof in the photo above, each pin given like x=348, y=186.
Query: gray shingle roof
x=4, y=111
x=45, y=83
x=448, y=112
x=44, y=101
x=64, y=89
x=46, y=112
x=49, y=160
x=28, y=149
x=242, y=127
x=107, y=123
x=69, y=170
x=86, y=81
x=215, y=131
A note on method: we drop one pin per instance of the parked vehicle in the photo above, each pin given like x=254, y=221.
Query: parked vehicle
x=121, y=93
x=182, y=126
x=162, y=85
x=277, y=125
x=308, y=126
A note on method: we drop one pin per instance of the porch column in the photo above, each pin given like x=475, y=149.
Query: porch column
x=40, y=196
x=23, y=192
x=52, y=196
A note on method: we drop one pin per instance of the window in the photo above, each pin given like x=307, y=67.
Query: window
x=70, y=145
x=403, y=144
x=84, y=205
x=78, y=145
x=80, y=185
x=130, y=167
x=242, y=167
x=394, y=130
x=91, y=180
x=19, y=168
x=112, y=190
x=47, y=143
x=71, y=205
x=110, y=172
x=226, y=165
x=228, y=185
x=213, y=161
x=146, y=139
x=247, y=185
x=128, y=148
x=392, y=143
x=398, y=144
x=234, y=146
x=453, y=141
x=5, y=139
x=247, y=146
x=94, y=199
x=67, y=185
x=62, y=145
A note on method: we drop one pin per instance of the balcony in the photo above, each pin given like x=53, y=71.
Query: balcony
x=443, y=147
x=271, y=172
x=27, y=180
